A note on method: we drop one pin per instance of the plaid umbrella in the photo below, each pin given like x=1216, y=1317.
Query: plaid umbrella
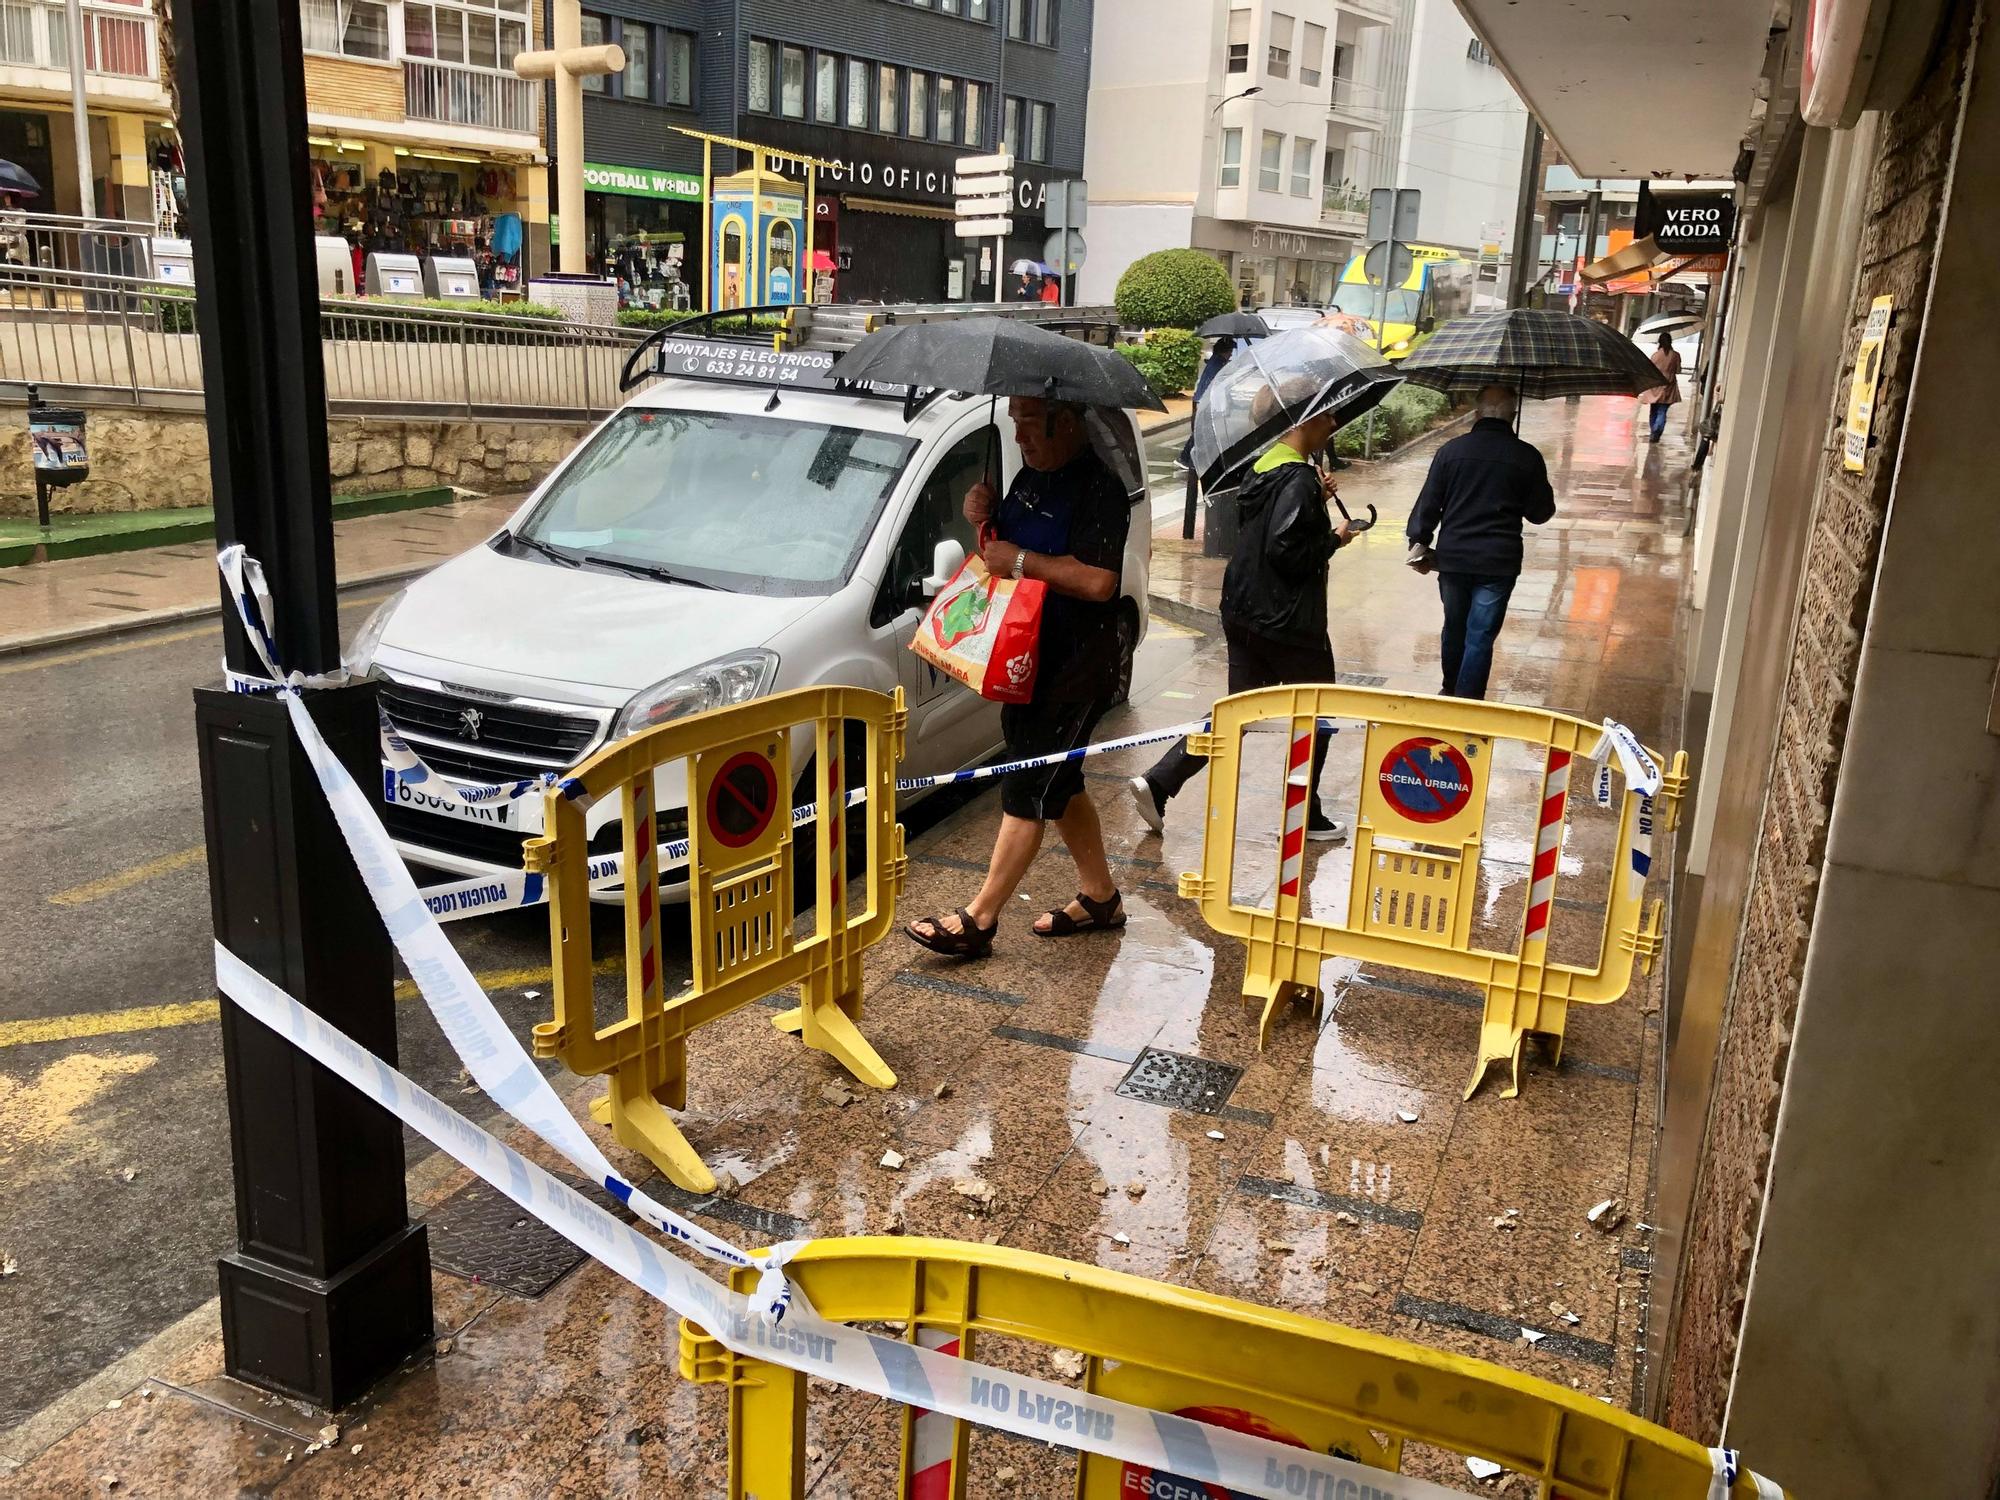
x=1536, y=353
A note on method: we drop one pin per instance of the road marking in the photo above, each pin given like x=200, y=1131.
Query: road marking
x=200, y=1012
x=110, y=885
x=37, y=663
x=1168, y=630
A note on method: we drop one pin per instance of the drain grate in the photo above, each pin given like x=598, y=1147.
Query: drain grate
x=1178, y=1081
x=1361, y=679
x=483, y=1235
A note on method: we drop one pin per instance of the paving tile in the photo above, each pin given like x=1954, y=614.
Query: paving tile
x=159, y=1449
x=1304, y=1259
x=1185, y=1176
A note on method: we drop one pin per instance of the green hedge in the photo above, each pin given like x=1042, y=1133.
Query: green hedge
x=1174, y=289
x=647, y=317
x=1169, y=358
x=1409, y=412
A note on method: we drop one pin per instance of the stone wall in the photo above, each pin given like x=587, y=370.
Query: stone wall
x=1898, y=247
x=159, y=460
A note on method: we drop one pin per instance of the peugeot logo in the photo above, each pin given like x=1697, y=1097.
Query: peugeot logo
x=470, y=719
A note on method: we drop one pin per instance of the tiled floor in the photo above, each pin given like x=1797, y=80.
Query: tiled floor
x=1458, y=1228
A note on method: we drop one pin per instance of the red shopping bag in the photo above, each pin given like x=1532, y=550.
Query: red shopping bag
x=984, y=631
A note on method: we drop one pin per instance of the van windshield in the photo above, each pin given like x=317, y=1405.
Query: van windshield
x=1358, y=298
x=750, y=504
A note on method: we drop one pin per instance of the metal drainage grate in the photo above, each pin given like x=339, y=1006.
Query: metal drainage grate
x=1361, y=679
x=1199, y=1084
x=484, y=1236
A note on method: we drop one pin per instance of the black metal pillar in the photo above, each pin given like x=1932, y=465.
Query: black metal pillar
x=1525, y=268
x=330, y=1284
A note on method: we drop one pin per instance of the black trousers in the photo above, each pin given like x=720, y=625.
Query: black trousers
x=1255, y=661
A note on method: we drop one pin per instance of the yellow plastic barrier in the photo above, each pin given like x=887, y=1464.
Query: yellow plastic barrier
x=740, y=901
x=1425, y=775
x=1278, y=1374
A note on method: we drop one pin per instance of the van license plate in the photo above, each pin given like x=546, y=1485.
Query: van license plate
x=492, y=814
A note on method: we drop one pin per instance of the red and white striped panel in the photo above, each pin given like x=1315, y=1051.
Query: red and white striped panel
x=1298, y=795
x=1548, y=849
x=836, y=801
x=931, y=1435
x=646, y=850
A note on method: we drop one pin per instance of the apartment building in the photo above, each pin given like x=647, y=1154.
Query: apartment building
x=1232, y=128
x=422, y=136
x=126, y=105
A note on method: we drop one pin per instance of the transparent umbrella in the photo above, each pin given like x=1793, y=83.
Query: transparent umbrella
x=1277, y=383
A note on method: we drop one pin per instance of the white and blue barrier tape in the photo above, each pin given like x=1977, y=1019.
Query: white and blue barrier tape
x=775, y=1325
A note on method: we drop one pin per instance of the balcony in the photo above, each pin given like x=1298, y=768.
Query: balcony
x=478, y=98
x=1370, y=12
x=119, y=41
x=1356, y=105
x=1343, y=208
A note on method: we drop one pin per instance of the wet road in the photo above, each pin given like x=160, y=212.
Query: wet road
x=113, y=1133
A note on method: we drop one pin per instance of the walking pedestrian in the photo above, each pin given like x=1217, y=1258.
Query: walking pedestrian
x=1220, y=353
x=1481, y=487
x=1273, y=603
x=1667, y=360
x=1063, y=521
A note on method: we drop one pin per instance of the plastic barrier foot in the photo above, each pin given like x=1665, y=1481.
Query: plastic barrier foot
x=827, y=1028
x=640, y=1122
x=1498, y=1043
x=791, y=1022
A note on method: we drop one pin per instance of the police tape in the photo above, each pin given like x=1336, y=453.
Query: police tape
x=774, y=1325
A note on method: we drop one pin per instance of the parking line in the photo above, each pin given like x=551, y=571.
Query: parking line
x=200, y=1012
x=110, y=885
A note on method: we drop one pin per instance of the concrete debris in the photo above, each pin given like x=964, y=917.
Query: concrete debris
x=1135, y=1190
x=942, y=1091
x=8, y=1265
x=1533, y=1335
x=893, y=1160
x=1557, y=1308
x=1068, y=1363
x=1482, y=1468
x=1407, y=1116
x=1503, y=1222
x=329, y=1433
x=445, y=1346
x=355, y=1450
x=113, y=1404
x=896, y=1325
x=1608, y=1215
x=1216, y=1135
x=130, y=1174
x=1342, y=1216
x=1319, y=1263
x=1571, y=1318
x=1006, y=1478
x=837, y=1093
x=814, y=1453
x=1278, y=1247
x=978, y=1189
x=531, y=994
x=892, y=1222
x=1366, y=1288
x=109, y=1481
x=1121, y=1239
x=1100, y=1187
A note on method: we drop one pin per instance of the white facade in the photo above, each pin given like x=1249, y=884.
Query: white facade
x=1351, y=95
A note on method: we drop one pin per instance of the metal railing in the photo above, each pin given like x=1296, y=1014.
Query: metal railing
x=126, y=341
x=460, y=95
x=64, y=242
x=119, y=41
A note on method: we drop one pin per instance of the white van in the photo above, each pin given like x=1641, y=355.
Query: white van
x=739, y=528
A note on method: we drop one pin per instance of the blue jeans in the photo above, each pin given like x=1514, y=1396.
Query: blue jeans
x=1475, y=607
x=1660, y=410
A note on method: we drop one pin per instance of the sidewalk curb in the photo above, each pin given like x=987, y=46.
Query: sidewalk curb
x=19, y=645
x=1181, y=612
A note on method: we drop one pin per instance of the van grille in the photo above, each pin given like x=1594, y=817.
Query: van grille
x=476, y=738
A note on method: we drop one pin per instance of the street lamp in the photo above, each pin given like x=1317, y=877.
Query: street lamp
x=1255, y=88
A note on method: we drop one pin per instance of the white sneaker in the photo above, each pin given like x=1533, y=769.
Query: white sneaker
x=1322, y=829
x=1152, y=806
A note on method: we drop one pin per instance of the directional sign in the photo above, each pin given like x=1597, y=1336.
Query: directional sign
x=984, y=208
x=992, y=182
x=977, y=229
x=972, y=166
x=742, y=800
x=1426, y=780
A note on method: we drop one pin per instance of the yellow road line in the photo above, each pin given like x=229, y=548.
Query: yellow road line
x=110, y=885
x=200, y=1012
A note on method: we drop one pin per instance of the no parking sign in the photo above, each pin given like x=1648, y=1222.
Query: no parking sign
x=1426, y=788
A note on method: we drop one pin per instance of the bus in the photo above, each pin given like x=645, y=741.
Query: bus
x=1437, y=288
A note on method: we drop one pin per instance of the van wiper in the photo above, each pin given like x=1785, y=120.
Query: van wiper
x=644, y=570
x=553, y=554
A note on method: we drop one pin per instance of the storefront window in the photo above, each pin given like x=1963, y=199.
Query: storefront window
x=595, y=30
x=680, y=68
x=352, y=28
x=885, y=99
x=1038, y=132
x=947, y=110
x=638, y=44
x=920, y=103
x=857, y=94
x=793, y=96
x=826, y=90
x=1232, y=159
x=975, y=114
x=760, y=77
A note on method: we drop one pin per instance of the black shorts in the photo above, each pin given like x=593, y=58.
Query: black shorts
x=1036, y=729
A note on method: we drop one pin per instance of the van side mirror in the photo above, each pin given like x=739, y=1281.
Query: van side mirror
x=945, y=563
x=1427, y=325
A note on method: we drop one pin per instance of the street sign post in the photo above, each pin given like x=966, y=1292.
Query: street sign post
x=1068, y=210
x=1392, y=220
x=985, y=189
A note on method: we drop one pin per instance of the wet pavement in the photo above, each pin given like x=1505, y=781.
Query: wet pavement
x=1087, y=1084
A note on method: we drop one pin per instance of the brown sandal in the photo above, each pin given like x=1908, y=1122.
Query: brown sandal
x=1105, y=916
x=970, y=941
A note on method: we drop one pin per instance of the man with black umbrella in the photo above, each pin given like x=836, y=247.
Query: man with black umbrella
x=1062, y=521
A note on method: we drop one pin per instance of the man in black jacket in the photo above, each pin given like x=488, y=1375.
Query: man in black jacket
x=1273, y=603
x=1482, y=486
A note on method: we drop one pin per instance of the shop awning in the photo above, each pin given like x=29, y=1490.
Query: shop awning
x=890, y=206
x=1643, y=256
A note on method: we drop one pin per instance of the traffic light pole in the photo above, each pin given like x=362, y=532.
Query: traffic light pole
x=329, y=1286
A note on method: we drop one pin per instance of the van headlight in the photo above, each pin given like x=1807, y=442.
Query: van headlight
x=735, y=678
x=359, y=658
x=1400, y=344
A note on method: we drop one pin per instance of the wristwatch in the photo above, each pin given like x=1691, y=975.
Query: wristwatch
x=1020, y=561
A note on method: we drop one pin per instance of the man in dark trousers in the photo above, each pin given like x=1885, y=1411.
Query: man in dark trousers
x=1482, y=486
x=1273, y=603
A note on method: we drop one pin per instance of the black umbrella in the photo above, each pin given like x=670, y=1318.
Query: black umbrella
x=1533, y=352
x=1236, y=325
x=987, y=356
x=17, y=181
x=1277, y=383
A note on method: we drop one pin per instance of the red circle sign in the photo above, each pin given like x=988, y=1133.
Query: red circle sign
x=1142, y=1483
x=742, y=800
x=1426, y=780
